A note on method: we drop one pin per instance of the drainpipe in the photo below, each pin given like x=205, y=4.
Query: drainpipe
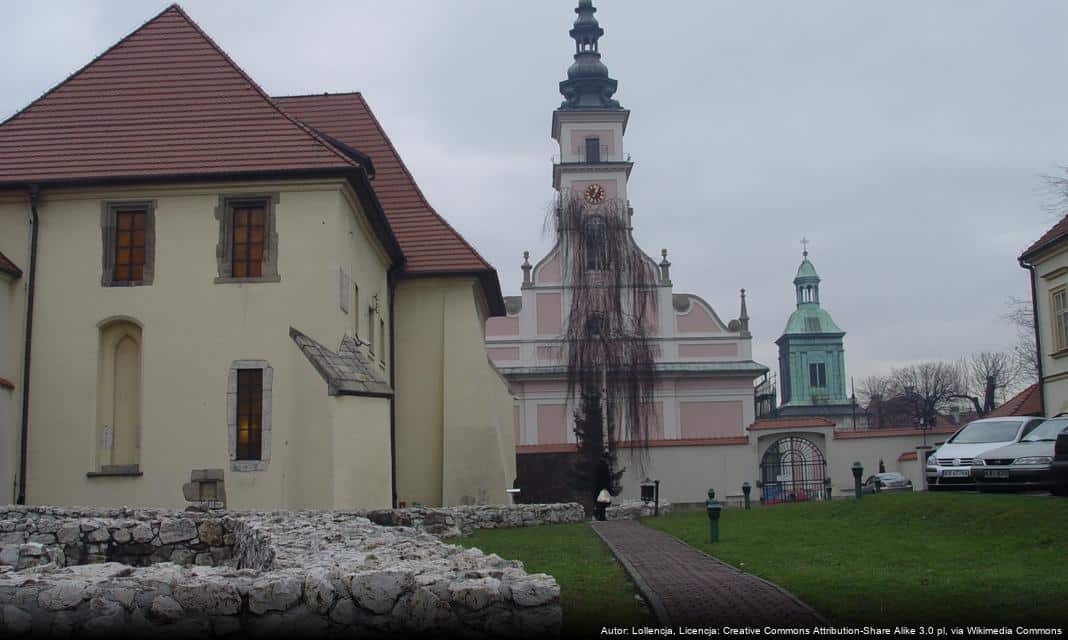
x=30, y=285
x=1038, y=334
x=391, y=284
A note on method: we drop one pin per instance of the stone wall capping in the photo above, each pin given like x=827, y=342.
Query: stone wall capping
x=255, y=573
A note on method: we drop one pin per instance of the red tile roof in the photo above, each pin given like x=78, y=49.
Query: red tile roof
x=430, y=244
x=889, y=433
x=164, y=101
x=6, y=384
x=798, y=422
x=8, y=267
x=1056, y=232
x=1026, y=403
x=908, y=455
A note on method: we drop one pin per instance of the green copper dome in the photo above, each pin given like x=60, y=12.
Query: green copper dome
x=809, y=318
x=806, y=271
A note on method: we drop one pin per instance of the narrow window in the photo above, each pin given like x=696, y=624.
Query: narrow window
x=129, y=246
x=382, y=340
x=129, y=243
x=595, y=242
x=249, y=414
x=593, y=149
x=355, y=310
x=371, y=329
x=249, y=229
x=817, y=375
x=1060, y=319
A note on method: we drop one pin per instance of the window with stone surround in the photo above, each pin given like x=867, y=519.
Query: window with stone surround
x=248, y=238
x=248, y=408
x=1059, y=307
x=129, y=243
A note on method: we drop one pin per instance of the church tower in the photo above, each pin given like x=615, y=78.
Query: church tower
x=812, y=354
x=589, y=124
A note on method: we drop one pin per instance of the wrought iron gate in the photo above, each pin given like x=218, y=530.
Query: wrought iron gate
x=792, y=470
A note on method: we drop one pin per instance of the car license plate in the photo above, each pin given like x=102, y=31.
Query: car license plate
x=956, y=473
x=997, y=473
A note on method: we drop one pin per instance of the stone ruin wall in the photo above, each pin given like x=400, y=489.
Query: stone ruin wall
x=104, y=571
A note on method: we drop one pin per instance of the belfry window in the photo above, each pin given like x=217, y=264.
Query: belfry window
x=817, y=375
x=595, y=243
x=593, y=149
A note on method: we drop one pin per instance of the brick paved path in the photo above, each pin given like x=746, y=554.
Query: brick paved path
x=686, y=587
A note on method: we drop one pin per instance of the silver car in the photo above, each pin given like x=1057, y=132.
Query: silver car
x=1023, y=465
x=950, y=466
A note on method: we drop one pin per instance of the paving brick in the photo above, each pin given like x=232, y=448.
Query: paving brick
x=695, y=589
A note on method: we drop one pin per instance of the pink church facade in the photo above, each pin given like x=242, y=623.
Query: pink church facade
x=704, y=399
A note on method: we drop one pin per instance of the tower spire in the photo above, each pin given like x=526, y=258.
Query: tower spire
x=588, y=85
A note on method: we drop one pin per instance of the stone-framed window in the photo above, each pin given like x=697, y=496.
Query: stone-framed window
x=238, y=413
x=128, y=232
x=248, y=238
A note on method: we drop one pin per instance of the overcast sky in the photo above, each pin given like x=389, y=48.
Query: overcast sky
x=904, y=139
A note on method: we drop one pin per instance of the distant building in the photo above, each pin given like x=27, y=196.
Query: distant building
x=1047, y=260
x=812, y=356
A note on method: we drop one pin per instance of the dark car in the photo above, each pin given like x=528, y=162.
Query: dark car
x=1059, y=466
x=889, y=481
x=1027, y=464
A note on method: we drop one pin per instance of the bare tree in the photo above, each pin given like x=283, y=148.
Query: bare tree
x=1057, y=191
x=987, y=378
x=928, y=389
x=873, y=391
x=1024, y=351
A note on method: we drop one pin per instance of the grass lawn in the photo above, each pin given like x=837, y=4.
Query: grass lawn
x=594, y=588
x=921, y=558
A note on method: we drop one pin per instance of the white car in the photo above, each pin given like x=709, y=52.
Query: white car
x=950, y=466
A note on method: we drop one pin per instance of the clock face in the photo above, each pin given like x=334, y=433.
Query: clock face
x=594, y=194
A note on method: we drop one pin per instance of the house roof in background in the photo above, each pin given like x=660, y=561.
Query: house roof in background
x=8, y=267
x=791, y=423
x=1057, y=232
x=164, y=101
x=430, y=244
x=1026, y=403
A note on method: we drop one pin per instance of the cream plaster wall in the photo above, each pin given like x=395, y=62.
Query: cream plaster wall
x=687, y=473
x=192, y=330
x=14, y=242
x=360, y=452
x=454, y=428
x=1051, y=271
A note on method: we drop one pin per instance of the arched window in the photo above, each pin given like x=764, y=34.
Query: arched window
x=118, y=430
x=595, y=242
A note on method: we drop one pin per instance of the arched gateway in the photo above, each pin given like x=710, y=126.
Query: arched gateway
x=792, y=470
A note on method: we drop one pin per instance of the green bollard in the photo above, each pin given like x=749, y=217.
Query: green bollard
x=714, y=507
x=745, y=493
x=858, y=471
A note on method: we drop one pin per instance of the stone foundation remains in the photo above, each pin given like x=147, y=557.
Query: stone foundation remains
x=634, y=509
x=102, y=571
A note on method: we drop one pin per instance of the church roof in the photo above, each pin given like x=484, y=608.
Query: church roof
x=430, y=244
x=164, y=101
x=809, y=318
